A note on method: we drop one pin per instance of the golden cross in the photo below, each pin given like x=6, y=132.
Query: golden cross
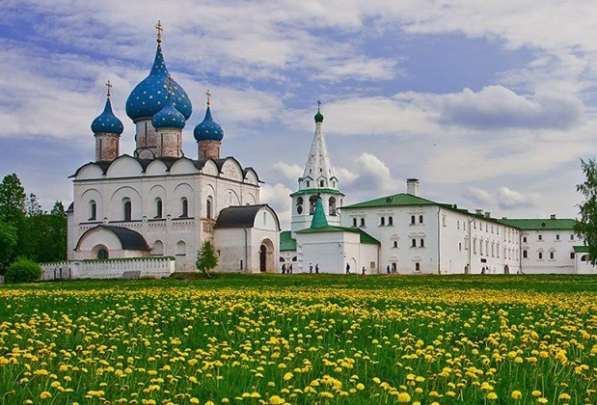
x=159, y=30
x=109, y=86
x=208, y=94
x=318, y=105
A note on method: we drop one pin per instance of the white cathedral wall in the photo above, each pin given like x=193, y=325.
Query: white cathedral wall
x=562, y=263
x=181, y=237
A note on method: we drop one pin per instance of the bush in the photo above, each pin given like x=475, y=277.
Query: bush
x=23, y=271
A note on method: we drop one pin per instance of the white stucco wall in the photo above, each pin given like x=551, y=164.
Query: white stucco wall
x=547, y=242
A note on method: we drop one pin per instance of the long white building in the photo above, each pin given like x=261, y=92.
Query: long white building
x=408, y=234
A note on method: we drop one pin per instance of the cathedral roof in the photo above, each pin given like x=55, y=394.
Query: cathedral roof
x=107, y=121
x=208, y=129
x=129, y=239
x=168, y=117
x=241, y=216
x=541, y=224
x=150, y=95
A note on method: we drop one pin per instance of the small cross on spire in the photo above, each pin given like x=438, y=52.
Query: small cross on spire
x=318, y=105
x=109, y=86
x=208, y=94
x=159, y=29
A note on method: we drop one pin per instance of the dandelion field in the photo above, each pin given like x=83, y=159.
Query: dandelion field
x=301, y=340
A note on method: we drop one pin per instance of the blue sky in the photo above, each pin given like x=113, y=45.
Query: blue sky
x=491, y=104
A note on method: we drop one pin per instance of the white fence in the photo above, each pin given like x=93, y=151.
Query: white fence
x=155, y=267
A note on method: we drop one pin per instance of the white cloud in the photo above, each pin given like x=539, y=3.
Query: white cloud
x=479, y=197
x=508, y=198
x=499, y=107
x=290, y=171
x=277, y=196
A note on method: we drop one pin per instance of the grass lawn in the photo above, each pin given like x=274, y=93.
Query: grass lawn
x=301, y=339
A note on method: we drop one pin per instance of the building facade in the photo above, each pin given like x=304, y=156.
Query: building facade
x=160, y=202
x=415, y=235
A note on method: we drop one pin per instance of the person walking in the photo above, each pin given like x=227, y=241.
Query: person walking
x=284, y=269
x=317, y=268
x=290, y=269
x=347, y=268
x=310, y=268
x=363, y=271
x=388, y=269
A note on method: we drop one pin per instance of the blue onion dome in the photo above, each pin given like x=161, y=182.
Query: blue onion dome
x=107, y=121
x=208, y=129
x=168, y=117
x=150, y=96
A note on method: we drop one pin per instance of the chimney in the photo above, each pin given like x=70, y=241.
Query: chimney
x=552, y=216
x=479, y=211
x=413, y=187
x=487, y=214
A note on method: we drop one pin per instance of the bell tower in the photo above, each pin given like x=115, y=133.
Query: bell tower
x=318, y=181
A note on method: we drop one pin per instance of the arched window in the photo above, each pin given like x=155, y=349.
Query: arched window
x=395, y=244
x=102, y=254
x=321, y=183
x=308, y=183
x=552, y=255
x=158, y=207
x=184, y=203
x=390, y=221
x=332, y=205
x=299, y=205
x=158, y=248
x=181, y=248
x=382, y=221
x=209, y=207
x=92, y=210
x=312, y=204
x=128, y=209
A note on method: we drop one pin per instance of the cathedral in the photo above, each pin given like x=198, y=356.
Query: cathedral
x=159, y=201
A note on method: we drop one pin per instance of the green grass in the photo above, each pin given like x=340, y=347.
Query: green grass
x=448, y=339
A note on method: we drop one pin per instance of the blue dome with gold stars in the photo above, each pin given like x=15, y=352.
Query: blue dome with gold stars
x=168, y=117
x=208, y=129
x=150, y=96
x=107, y=121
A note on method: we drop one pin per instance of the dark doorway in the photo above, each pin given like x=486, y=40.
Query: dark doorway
x=263, y=258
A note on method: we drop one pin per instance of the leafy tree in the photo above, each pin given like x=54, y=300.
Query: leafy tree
x=58, y=209
x=23, y=271
x=8, y=245
x=12, y=199
x=587, y=226
x=206, y=258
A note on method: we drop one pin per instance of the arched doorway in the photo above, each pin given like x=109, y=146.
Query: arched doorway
x=101, y=252
x=506, y=269
x=266, y=256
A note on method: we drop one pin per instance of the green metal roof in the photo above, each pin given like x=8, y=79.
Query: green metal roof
x=539, y=224
x=287, y=243
x=396, y=200
x=316, y=191
x=581, y=249
x=365, y=238
x=319, y=221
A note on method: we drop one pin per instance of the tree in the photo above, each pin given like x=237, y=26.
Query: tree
x=587, y=226
x=8, y=245
x=206, y=258
x=12, y=199
x=58, y=209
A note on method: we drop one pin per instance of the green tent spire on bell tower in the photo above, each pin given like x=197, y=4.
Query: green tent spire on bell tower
x=319, y=220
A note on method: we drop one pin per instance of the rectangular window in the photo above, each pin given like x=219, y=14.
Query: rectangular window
x=540, y=237
x=412, y=219
x=540, y=255
x=572, y=255
x=382, y=221
x=362, y=222
x=414, y=243
x=524, y=239
x=417, y=266
x=572, y=237
x=395, y=244
x=420, y=219
x=390, y=221
x=552, y=255
x=354, y=222
x=422, y=243
x=558, y=237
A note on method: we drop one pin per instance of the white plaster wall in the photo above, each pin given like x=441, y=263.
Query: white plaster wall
x=562, y=263
x=583, y=267
x=405, y=256
x=143, y=189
